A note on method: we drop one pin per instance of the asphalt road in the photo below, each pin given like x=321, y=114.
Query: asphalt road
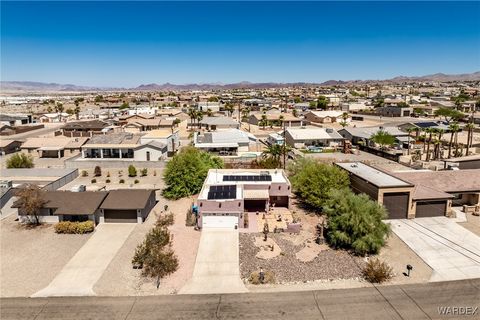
x=385, y=302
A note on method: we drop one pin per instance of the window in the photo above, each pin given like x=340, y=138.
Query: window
x=279, y=187
x=219, y=205
x=201, y=204
x=239, y=204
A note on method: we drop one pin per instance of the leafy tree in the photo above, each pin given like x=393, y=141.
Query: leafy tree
x=69, y=111
x=312, y=181
x=449, y=114
x=383, y=138
x=186, y=172
x=264, y=121
x=297, y=99
x=213, y=99
x=403, y=104
x=229, y=108
x=20, y=160
x=132, y=171
x=322, y=102
x=312, y=105
x=124, y=105
x=273, y=154
x=99, y=98
x=31, y=200
x=355, y=222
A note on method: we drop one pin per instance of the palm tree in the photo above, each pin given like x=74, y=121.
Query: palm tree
x=409, y=131
x=453, y=128
x=470, y=126
x=264, y=121
x=229, y=108
x=280, y=120
x=430, y=132
x=192, y=113
x=209, y=112
x=295, y=112
x=439, y=146
x=199, y=118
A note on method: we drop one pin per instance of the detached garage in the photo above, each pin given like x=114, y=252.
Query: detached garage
x=127, y=206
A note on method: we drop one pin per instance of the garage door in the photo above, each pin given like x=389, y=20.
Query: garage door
x=431, y=209
x=119, y=216
x=396, y=204
x=219, y=222
x=255, y=205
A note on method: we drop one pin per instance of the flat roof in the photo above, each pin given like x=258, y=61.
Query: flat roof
x=374, y=176
x=464, y=158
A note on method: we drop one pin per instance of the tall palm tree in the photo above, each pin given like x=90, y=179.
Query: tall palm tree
x=470, y=126
x=264, y=121
x=430, y=132
x=192, y=113
x=409, y=131
x=209, y=112
x=199, y=117
x=439, y=146
x=280, y=120
x=453, y=128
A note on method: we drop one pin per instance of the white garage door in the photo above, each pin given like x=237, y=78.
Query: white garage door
x=219, y=222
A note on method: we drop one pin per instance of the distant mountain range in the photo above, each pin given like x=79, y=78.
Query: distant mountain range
x=30, y=86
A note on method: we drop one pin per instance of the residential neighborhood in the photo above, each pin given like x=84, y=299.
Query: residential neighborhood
x=341, y=181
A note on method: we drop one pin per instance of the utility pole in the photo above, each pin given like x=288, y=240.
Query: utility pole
x=285, y=137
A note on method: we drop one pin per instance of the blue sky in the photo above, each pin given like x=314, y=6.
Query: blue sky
x=130, y=43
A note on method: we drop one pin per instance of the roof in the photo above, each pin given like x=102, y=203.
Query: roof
x=122, y=138
x=6, y=142
x=372, y=175
x=327, y=113
x=154, y=144
x=219, y=121
x=90, y=125
x=367, y=132
x=464, y=158
x=126, y=199
x=72, y=203
x=159, y=133
x=256, y=194
x=313, y=134
x=276, y=116
x=35, y=143
x=225, y=136
x=451, y=181
x=216, y=145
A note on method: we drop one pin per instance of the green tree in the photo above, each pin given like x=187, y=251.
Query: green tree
x=186, y=172
x=322, y=102
x=453, y=128
x=99, y=98
x=124, y=105
x=264, y=121
x=213, y=99
x=355, y=222
x=132, y=171
x=449, y=114
x=312, y=181
x=229, y=108
x=20, y=160
x=383, y=138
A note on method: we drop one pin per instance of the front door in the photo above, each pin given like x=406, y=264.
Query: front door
x=148, y=155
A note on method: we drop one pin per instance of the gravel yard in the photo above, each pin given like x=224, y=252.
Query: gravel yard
x=329, y=264
x=31, y=258
x=120, y=279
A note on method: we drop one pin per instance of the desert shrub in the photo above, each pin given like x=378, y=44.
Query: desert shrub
x=97, y=172
x=165, y=220
x=93, y=181
x=190, y=218
x=377, y=271
x=108, y=174
x=144, y=172
x=132, y=171
x=107, y=181
x=255, y=277
x=355, y=222
x=121, y=181
x=245, y=220
x=20, y=160
x=154, y=173
x=136, y=181
x=84, y=173
x=70, y=227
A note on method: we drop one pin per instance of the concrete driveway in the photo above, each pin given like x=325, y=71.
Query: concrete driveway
x=217, y=265
x=81, y=273
x=450, y=250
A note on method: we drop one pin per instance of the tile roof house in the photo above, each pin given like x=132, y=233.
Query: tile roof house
x=83, y=128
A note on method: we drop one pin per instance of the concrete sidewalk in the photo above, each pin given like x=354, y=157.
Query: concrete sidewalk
x=217, y=267
x=450, y=250
x=81, y=273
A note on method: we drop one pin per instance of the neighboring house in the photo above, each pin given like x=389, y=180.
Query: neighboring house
x=205, y=106
x=257, y=104
x=6, y=130
x=363, y=135
x=224, y=142
x=127, y=205
x=83, y=128
x=462, y=163
x=214, y=123
x=415, y=194
x=328, y=116
x=228, y=194
x=354, y=106
x=169, y=137
x=54, y=147
x=123, y=146
x=9, y=146
x=312, y=136
x=46, y=178
x=114, y=206
x=53, y=117
x=275, y=138
x=273, y=119
x=468, y=106
x=394, y=111
x=14, y=119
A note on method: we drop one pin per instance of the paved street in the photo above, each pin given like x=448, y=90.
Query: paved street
x=449, y=249
x=81, y=273
x=420, y=301
x=217, y=264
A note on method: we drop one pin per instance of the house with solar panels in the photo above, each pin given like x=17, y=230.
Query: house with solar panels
x=228, y=194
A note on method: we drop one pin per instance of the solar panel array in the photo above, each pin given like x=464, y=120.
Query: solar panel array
x=222, y=192
x=262, y=177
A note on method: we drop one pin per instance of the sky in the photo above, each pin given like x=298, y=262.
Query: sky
x=125, y=44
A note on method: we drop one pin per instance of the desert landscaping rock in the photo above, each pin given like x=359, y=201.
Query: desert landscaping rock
x=329, y=264
x=265, y=248
x=310, y=252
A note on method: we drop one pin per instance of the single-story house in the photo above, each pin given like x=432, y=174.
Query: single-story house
x=83, y=128
x=462, y=163
x=394, y=111
x=228, y=195
x=275, y=119
x=224, y=142
x=327, y=116
x=362, y=135
x=9, y=146
x=53, y=117
x=275, y=138
x=312, y=136
x=214, y=123
x=54, y=147
x=205, y=106
x=169, y=137
x=127, y=205
x=14, y=119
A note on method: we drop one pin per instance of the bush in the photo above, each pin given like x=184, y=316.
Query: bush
x=136, y=181
x=154, y=173
x=70, y=227
x=255, y=277
x=97, y=172
x=312, y=181
x=190, y=220
x=94, y=180
x=165, y=220
x=132, y=171
x=121, y=181
x=355, y=222
x=186, y=172
x=84, y=173
x=108, y=174
x=107, y=181
x=20, y=160
x=144, y=172
x=377, y=271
